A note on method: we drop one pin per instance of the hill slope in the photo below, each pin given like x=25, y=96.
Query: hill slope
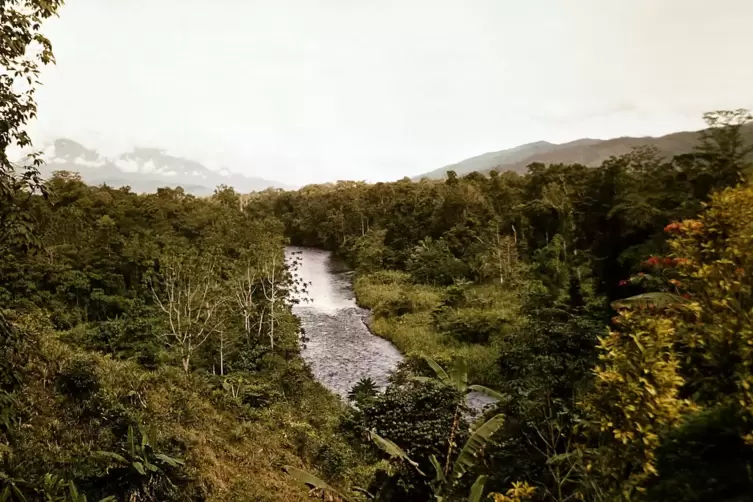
x=145, y=170
x=590, y=152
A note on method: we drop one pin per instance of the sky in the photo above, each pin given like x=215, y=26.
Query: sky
x=304, y=91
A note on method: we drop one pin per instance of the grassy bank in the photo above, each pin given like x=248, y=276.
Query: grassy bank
x=75, y=403
x=440, y=322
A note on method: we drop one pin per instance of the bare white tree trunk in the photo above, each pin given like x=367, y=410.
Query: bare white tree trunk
x=187, y=293
x=244, y=288
x=270, y=287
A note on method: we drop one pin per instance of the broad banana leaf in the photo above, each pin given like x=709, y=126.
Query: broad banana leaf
x=657, y=299
x=489, y=392
x=393, y=450
x=441, y=373
x=478, y=440
x=459, y=374
x=311, y=481
x=477, y=490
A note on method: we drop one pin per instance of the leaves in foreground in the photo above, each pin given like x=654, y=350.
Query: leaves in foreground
x=393, y=450
x=312, y=481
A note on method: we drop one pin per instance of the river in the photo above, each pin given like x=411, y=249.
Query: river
x=340, y=348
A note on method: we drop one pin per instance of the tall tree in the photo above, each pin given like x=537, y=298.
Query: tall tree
x=188, y=292
x=23, y=50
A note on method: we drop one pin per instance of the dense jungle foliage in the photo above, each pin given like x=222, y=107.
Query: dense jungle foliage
x=149, y=351
x=610, y=306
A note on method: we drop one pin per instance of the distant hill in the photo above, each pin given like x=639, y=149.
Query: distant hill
x=589, y=152
x=145, y=170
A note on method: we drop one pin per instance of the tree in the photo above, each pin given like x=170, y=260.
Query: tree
x=187, y=291
x=445, y=480
x=271, y=287
x=457, y=379
x=677, y=370
x=23, y=49
x=245, y=284
x=722, y=147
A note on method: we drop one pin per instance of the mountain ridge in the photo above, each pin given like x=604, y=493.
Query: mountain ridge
x=587, y=151
x=145, y=170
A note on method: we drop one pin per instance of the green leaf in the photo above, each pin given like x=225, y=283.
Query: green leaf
x=459, y=374
x=478, y=440
x=393, y=450
x=310, y=480
x=441, y=374
x=17, y=493
x=131, y=442
x=439, y=478
x=139, y=467
x=172, y=462
x=489, y=392
x=144, y=439
x=75, y=495
x=656, y=299
x=113, y=456
x=477, y=490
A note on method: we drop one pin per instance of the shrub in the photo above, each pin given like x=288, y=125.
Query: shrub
x=78, y=378
x=470, y=325
x=417, y=416
x=363, y=392
x=432, y=262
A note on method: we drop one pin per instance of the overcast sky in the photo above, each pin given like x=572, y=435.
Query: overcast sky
x=319, y=90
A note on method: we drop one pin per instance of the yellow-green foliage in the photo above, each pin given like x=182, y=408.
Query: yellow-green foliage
x=230, y=454
x=635, y=394
x=701, y=340
x=714, y=257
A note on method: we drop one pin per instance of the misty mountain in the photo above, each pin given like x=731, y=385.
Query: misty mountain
x=586, y=151
x=145, y=170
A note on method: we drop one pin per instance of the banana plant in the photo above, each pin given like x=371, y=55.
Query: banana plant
x=457, y=379
x=141, y=456
x=314, y=483
x=443, y=481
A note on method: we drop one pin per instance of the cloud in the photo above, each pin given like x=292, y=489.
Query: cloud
x=305, y=91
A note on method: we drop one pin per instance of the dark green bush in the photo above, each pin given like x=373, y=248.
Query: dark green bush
x=78, y=378
x=706, y=458
x=470, y=325
x=417, y=417
x=432, y=262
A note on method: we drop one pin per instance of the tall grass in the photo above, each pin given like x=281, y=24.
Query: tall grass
x=405, y=314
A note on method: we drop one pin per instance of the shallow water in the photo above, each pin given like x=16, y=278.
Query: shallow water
x=340, y=348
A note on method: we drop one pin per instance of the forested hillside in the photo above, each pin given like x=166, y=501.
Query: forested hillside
x=586, y=151
x=608, y=307
x=149, y=350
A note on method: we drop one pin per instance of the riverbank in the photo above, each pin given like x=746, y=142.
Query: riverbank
x=441, y=322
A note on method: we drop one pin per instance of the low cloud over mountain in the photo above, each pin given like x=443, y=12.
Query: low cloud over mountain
x=145, y=170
